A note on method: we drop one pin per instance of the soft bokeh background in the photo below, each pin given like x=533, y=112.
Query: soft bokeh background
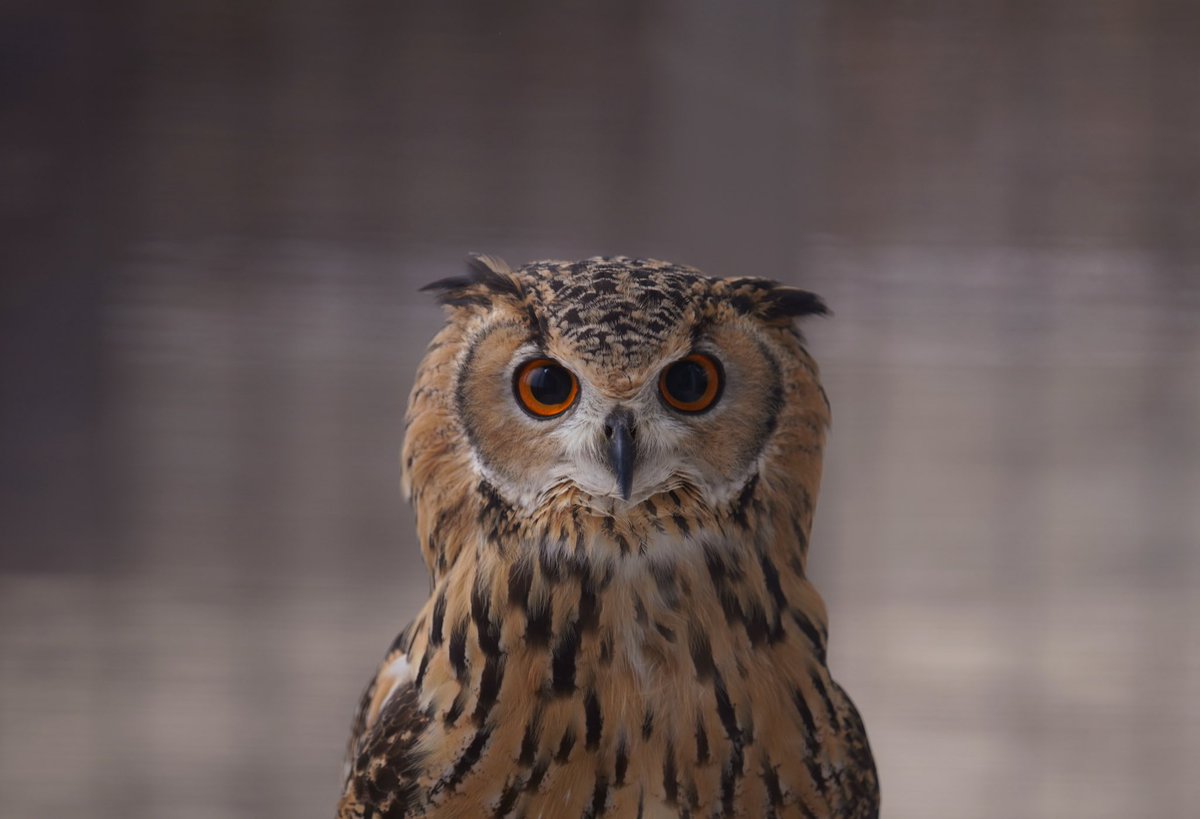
x=215, y=216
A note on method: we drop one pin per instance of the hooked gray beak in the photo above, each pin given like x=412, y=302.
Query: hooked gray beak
x=622, y=452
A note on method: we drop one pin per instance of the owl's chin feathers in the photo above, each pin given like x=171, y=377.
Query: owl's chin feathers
x=566, y=496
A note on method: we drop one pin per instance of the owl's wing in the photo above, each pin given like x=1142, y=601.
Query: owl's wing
x=381, y=760
x=860, y=780
x=383, y=773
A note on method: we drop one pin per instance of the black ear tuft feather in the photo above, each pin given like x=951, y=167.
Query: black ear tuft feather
x=486, y=278
x=790, y=302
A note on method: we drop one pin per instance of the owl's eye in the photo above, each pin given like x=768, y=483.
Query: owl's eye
x=692, y=384
x=545, y=388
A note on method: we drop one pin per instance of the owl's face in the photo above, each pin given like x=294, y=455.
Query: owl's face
x=615, y=380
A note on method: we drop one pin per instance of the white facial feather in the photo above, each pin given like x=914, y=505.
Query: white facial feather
x=667, y=446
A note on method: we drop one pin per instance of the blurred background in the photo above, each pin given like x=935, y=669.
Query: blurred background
x=215, y=217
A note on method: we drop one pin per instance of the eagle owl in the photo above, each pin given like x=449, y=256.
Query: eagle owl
x=614, y=464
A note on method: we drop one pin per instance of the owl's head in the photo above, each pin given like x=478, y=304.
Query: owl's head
x=611, y=381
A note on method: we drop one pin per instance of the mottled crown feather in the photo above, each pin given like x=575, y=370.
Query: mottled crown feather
x=611, y=281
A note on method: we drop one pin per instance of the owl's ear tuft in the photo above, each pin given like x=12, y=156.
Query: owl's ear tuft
x=790, y=302
x=487, y=277
x=773, y=302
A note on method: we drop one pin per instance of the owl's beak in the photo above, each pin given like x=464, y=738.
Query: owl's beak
x=622, y=451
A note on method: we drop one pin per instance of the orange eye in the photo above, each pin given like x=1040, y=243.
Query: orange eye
x=545, y=388
x=692, y=384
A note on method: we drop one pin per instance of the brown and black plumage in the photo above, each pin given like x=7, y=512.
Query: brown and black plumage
x=614, y=465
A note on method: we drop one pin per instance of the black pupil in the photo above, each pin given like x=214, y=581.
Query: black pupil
x=687, y=382
x=549, y=384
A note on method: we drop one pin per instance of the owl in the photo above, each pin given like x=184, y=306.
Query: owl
x=614, y=464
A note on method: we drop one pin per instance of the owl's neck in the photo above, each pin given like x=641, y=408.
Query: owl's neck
x=669, y=586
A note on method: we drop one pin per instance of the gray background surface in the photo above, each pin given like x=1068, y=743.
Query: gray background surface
x=215, y=217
